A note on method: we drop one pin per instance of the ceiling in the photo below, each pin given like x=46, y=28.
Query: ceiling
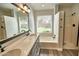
x=34, y=6
x=7, y=5
x=41, y=6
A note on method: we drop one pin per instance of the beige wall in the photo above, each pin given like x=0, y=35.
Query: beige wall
x=4, y=11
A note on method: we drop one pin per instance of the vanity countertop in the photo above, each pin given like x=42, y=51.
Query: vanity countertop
x=25, y=44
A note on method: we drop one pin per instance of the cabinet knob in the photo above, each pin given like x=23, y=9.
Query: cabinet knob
x=73, y=14
x=73, y=25
x=61, y=19
x=2, y=27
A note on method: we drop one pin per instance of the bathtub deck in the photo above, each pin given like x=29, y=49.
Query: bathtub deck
x=47, y=42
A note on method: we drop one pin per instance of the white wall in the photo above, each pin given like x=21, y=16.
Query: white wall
x=31, y=20
x=44, y=12
x=56, y=26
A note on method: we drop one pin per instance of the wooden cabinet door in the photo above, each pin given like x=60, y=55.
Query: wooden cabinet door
x=35, y=49
x=74, y=31
x=2, y=28
x=71, y=31
x=61, y=29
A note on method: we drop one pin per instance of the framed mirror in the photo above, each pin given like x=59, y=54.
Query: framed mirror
x=22, y=22
x=12, y=21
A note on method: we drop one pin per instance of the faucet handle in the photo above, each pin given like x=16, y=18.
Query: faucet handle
x=2, y=48
x=54, y=36
x=0, y=45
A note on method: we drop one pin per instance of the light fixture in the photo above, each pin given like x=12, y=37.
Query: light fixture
x=25, y=6
x=28, y=10
x=22, y=7
x=19, y=9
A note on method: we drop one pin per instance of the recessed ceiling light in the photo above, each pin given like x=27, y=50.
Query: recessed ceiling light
x=43, y=5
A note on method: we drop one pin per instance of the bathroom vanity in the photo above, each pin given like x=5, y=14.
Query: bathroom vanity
x=25, y=46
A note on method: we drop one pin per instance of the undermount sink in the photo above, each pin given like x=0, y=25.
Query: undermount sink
x=14, y=52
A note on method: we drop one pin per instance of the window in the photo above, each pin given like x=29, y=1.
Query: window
x=44, y=24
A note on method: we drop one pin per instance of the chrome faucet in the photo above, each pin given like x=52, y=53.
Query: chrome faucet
x=2, y=48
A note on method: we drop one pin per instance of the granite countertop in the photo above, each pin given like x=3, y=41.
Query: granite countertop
x=25, y=44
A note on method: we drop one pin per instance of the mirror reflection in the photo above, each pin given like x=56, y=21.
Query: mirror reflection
x=23, y=22
x=12, y=21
